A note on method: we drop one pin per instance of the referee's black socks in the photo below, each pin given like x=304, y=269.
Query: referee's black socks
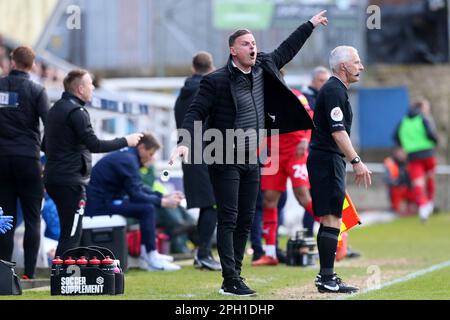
x=318, y=234
x=327, y=240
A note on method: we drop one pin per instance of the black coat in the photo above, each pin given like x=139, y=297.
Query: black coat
x=197, y=185
x=216, y=98
x=19, y=126
x=69, y=141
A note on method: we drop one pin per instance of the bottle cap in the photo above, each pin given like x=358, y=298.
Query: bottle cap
x=82, y=261
x=107, y=260
x=69, y=260
x=94, y=261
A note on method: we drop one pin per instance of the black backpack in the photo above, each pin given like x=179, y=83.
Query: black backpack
x=9, y=282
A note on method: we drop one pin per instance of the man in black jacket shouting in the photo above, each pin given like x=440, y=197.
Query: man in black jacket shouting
x=245, y=96
x=69, y=141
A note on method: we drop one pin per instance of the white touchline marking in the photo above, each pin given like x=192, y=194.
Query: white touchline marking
x=408, y=277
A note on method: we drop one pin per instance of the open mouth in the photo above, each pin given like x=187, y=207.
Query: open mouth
x=252, y=55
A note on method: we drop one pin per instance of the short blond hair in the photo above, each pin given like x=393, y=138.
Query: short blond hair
x=73, y=78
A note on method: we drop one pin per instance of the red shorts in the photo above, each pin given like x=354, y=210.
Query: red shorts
x=418, y=168
x=289, y=167
x=400, y=194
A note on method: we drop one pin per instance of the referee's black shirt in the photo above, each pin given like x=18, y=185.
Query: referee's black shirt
x=332, y=113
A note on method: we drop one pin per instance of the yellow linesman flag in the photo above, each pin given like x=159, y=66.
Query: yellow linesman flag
x=350, y=217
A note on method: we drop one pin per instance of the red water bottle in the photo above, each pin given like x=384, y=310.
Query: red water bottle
x=108, y=265
x=68, y=262
x=56, y=266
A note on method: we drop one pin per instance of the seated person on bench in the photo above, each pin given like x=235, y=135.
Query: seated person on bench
x=116, y=187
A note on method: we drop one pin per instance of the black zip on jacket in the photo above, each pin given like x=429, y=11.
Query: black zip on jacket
x=69, y=141
x=217, y=95
x=19, y=123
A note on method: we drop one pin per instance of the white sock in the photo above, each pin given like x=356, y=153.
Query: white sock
x=424, y=211
x=270, y=250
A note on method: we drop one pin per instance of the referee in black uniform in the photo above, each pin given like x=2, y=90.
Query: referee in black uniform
x=330, y=146
x=22, y=103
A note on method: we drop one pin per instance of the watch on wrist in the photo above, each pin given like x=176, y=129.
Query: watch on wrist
x=355, y=160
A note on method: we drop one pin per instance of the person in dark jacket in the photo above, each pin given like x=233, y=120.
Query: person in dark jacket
x=319, y=76
x=68, y=143
x=196, y=182
x=236, y=99
x=116, y=187
x=22, y=103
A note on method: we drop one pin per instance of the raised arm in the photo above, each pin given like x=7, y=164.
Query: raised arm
x=289, y=48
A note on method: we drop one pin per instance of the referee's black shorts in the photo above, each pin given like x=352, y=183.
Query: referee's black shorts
x=326, y=172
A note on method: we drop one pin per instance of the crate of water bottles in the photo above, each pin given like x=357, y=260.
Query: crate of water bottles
x=87, y=271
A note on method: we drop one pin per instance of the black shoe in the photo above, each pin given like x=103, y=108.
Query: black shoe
x=207, y=263
x=236, y=287
x=335, y=285
x=318, y=280
x=352, y=253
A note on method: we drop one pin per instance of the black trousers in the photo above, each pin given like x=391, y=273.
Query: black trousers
x=235, y=189
x=207, y=222
x=20, y=179
x=70, y=202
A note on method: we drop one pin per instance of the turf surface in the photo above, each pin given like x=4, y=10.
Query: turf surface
x=389, y=251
